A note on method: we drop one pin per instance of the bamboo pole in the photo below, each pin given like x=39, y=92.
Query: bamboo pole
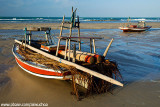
x=94, y=73
x=106, y=51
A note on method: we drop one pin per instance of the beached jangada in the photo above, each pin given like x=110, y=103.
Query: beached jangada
x=45, y=59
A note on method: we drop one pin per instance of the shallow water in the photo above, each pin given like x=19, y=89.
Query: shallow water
x=136, y=53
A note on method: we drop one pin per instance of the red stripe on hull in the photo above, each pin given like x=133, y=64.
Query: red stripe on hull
x=36, y=70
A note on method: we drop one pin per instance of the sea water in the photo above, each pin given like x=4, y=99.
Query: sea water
x=82, y=19
x=136, y=53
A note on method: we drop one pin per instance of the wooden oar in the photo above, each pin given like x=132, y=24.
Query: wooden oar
x=96, y=74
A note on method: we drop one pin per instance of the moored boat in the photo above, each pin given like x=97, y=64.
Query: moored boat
x=141, y=26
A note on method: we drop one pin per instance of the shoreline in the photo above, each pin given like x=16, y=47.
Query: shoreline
x=8, y=26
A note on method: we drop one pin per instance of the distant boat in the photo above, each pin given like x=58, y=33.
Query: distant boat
x=141, y=26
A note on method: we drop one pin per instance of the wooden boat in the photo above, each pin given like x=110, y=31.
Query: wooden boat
x=34, y=68
x=141, y=26
x=48, y=60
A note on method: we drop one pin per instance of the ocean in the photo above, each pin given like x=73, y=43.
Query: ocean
x=82, y=19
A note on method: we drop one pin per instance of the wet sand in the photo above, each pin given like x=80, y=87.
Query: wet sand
x=20, y=87
x=83, y=25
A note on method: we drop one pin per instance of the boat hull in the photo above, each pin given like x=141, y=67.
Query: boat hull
x=37, y=69
x=129, y=29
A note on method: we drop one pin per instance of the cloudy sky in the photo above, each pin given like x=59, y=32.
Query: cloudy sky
x=86, y=8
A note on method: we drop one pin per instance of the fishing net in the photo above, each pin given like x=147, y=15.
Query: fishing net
x=92, y=85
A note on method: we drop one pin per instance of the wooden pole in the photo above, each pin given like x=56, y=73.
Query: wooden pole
x=59, y=40
x=66, y=49
x=105, y=53
x=47, y=37
x=62, y=27
x=30, y=38
x=94, y=73
x=90, y=45
x=69, y=48
x=79, y=34
x=74, y=53
x=25, y=38
x=94, y=46
x=49, y=33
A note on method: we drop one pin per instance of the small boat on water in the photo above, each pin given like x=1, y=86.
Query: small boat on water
x=44, y=58
x=141, y=26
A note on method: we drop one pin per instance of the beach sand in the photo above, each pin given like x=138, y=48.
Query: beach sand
x=17, y=86
x=57, y=25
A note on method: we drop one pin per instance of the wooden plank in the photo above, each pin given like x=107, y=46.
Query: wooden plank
x=79, y=37
x=66, y=27
x=45, y=29
x=33, y=29
x=96, y=74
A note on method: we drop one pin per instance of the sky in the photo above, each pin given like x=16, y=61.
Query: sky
x=86, y=8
